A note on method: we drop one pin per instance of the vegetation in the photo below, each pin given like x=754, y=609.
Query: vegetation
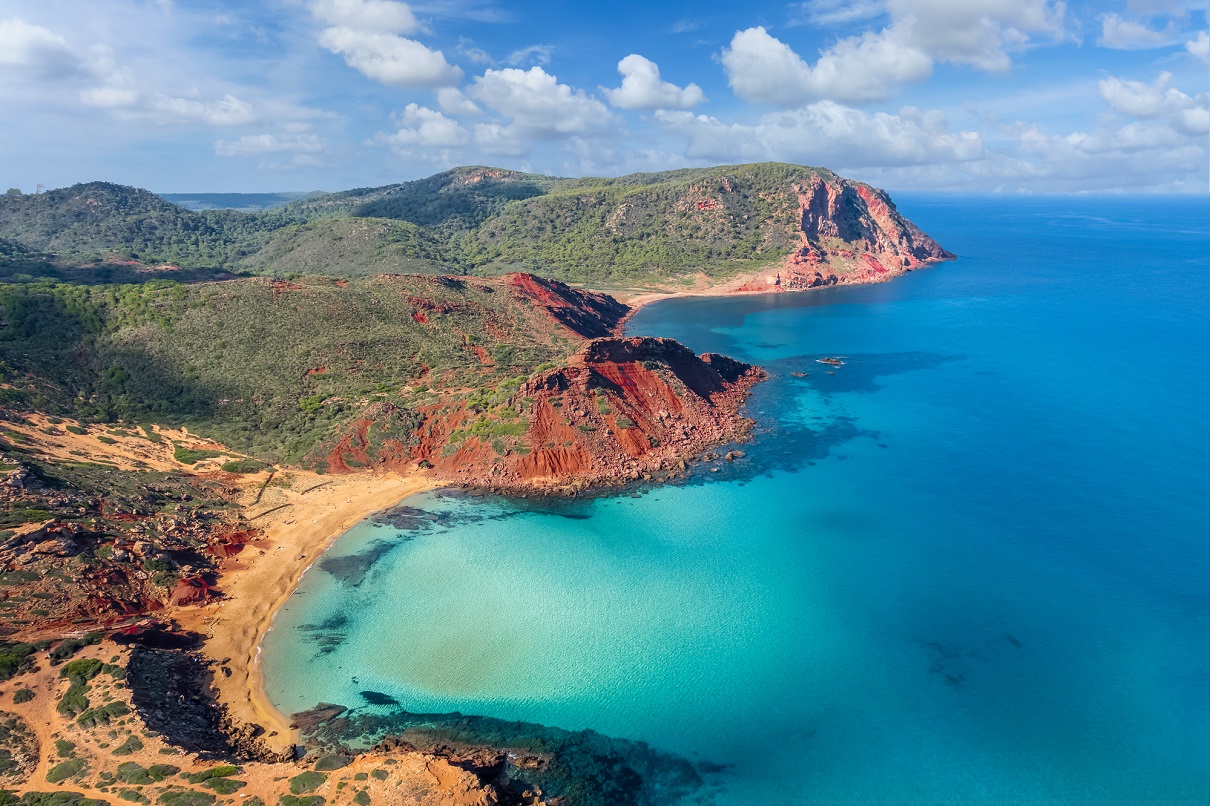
x=639, y=228
x=306, y=782
x=270, y=369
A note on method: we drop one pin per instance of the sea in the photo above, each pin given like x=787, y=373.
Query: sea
x=971, y=564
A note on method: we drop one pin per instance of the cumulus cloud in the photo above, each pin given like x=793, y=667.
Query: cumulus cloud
x=453, y=102
x=367, y=34
x=828, y=133
x=538, y=108
x=37, y=49
x=642, y=88
x=1186, y=115
x=873, y=66
x=1199, y=47
x=427, y=128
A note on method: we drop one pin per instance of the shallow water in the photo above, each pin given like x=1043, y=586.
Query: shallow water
x=969, y=566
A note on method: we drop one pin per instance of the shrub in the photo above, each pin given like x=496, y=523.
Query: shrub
x=221, y=771
x=333, y=762
x=130, y=772
x=22, y=695
x=242, y=466
x=190, y=456
x=306, y=782
x=224, y=786
x=64, y=770
x=131, y=745
x=103, y=715
x=187, y=798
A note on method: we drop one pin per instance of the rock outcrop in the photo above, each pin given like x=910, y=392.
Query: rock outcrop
x=849, y=233
x=620, y=410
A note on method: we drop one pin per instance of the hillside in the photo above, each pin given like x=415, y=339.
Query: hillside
x=660, y=229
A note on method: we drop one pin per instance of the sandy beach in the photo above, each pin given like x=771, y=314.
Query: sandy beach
x=300, y=522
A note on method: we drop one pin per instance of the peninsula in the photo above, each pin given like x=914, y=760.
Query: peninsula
x=193, y=405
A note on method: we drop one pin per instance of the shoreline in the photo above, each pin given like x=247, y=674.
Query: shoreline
x=255, y=588
x=262, y=578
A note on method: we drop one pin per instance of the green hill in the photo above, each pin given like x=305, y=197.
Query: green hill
x=648, y=229
x=269, y=367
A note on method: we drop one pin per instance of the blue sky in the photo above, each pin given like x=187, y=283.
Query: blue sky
x=967, y=95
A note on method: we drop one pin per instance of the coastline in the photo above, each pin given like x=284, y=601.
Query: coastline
x=301, y=523
x=304, y=522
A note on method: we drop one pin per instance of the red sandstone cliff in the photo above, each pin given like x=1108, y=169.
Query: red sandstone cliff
x=849, y=233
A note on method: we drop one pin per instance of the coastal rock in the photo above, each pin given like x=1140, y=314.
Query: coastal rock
x=849, y=233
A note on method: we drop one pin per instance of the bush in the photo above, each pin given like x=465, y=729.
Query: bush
x=306, y=782
x=333, y=762
x=131, y=745
x=160, y=772
x=14, y=659
x=22, y=695
x=103, y=715
x=130, y=772
x=224, y=786
x=221, y=771
x=190, y=456
x=187, y=798
x=64, y=770
x=242, y=466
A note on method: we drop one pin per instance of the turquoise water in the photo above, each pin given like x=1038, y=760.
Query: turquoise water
x=973, y=565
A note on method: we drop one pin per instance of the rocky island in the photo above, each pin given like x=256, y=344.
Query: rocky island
x=193, y=405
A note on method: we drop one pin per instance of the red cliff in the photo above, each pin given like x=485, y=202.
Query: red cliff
x=849, y=232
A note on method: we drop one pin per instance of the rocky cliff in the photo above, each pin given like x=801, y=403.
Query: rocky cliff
x=619, y=410
x=848, y=232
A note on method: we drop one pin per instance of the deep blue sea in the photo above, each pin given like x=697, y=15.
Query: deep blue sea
x=970, y=566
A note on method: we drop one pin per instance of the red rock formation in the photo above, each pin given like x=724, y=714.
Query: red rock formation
x=621, y=409
x=584, y=313
x=850, y=233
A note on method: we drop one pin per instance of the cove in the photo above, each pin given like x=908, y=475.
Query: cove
x=969, y=565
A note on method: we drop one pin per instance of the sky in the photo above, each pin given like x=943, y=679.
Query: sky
x=1034, y=96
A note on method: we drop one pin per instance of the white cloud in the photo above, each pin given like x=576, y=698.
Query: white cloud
x=1199, y=47
x=539, y=108
x=980, y=33
x=453, y=102
x=375, y=16
x=642, y=88
x=367, y=34
x=37, y=49
x=390, y=59
x=426, y=128
x=827, y=133
x=872, y=66
x=533, y=54
x=250, y=145
x=1123, y=34
x=1185, y=114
